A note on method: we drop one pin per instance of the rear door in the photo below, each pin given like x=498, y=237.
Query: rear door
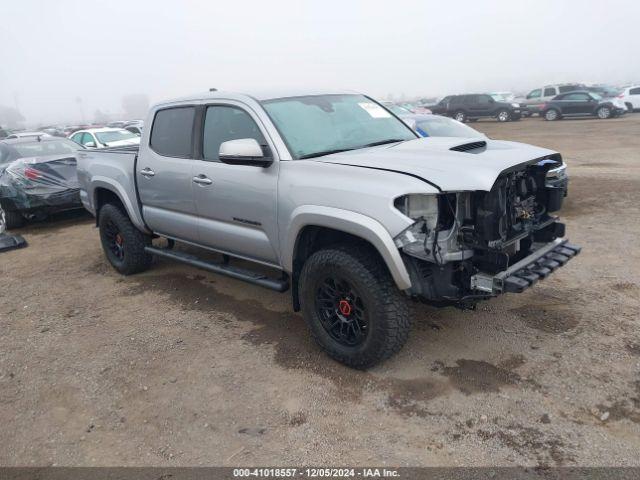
x=164, y=174
x=472, y=105
x=236, y=204
x=485, y=105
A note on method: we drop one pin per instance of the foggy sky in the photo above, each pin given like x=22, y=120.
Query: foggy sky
x=56, y=52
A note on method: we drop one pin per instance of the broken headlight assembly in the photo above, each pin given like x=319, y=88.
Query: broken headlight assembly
x=423, y=209
x=419, y=207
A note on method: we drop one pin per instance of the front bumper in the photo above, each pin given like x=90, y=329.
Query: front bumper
x=528, y=271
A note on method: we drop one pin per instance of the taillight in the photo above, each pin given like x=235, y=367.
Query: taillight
x=32, y=173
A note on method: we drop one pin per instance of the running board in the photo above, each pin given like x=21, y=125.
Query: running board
x=249, y=276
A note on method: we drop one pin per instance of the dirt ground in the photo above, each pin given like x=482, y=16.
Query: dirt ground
x=181, y=367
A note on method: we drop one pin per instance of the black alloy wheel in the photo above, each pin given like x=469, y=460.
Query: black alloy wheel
x=342, y=312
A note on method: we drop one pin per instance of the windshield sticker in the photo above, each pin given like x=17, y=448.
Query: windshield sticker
x=376, y=111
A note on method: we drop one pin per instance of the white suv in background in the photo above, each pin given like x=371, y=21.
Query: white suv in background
x=105, y=137
x=538, y=97
x=631, y=97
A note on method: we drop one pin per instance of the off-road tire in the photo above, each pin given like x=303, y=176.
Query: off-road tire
x=135, y=259
x=12, y=219
x=503, y=116
x=460, y=116
x=387, y=310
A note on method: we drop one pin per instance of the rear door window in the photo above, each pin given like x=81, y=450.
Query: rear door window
x=634, y=91
x=549, y=92
x=172, y=132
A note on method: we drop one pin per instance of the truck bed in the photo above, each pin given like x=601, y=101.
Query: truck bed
x=112, y=169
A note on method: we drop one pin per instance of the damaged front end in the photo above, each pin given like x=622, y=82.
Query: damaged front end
x=468, y=246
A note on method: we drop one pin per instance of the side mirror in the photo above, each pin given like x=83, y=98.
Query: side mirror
x=244, y=151
x=90, y=144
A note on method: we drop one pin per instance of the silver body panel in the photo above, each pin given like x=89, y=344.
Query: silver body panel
x=257, y=213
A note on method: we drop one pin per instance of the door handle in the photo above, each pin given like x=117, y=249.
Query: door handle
x=147, y=172
x=202, y=180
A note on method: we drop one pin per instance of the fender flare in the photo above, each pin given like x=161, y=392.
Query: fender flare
x=349, y=222
x=106, y=183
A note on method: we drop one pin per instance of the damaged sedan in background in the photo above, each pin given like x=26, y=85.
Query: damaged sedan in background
x=37, y=177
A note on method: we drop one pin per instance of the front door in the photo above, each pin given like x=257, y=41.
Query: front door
x=164, y=175
x=578, y=104
x=236, y=204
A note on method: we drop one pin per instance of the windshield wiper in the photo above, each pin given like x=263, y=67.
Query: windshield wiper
x=339, y=150
x=324, y=152
x=383, y=142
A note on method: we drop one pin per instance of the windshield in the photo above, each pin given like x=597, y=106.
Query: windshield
x=115, y=136
x=397, y=109
x=437, y=126
x=501, y=97
x=596, y=96
x=53, y=147
x=320, y=125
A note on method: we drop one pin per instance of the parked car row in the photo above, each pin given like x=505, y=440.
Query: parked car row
x=549, y=101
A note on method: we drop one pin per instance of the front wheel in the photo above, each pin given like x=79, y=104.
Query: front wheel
x=503, y=116
x=352, y=306
x=122, y=242
x=604, y=113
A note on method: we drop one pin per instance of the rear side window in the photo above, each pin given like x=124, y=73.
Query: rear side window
x=172, y=132
x=634, y=91
x=549, y=92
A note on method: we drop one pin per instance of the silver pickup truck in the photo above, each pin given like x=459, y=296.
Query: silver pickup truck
x=352, y=210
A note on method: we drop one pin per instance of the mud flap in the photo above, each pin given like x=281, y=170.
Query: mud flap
x=10, y=242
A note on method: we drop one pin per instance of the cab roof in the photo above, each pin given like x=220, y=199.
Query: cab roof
x=257, y=95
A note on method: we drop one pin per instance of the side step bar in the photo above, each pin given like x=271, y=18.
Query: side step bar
x=249, y=276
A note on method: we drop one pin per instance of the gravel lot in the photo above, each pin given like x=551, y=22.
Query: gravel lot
x=180, y=367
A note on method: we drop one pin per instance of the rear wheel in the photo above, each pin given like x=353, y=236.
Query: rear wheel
x=122, y=242
x=352, y=306
x=460, y=116
x=503, y=116
x=551, y=115
x=603, y=113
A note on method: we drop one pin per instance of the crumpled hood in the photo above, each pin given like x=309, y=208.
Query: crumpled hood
x=432, y=160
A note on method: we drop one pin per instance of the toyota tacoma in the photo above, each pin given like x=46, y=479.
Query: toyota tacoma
x=354, y=213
